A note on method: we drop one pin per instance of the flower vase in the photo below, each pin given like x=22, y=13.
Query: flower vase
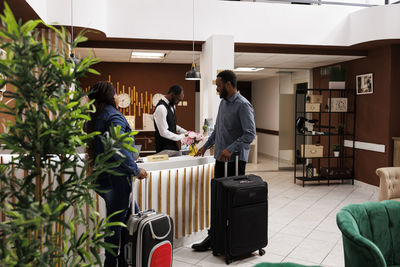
x=192, y=150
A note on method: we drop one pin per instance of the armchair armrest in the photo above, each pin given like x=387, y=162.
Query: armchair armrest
x=389, y=185
x=358, y=250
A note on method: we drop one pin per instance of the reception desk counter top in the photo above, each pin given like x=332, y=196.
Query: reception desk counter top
x=176, y=162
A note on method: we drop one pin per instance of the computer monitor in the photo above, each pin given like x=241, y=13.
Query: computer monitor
x=136, y=154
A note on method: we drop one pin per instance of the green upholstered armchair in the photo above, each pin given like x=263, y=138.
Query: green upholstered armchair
x=282, y=264
x=371, y=234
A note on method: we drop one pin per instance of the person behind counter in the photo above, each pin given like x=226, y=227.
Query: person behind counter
x=167, y=133
x=234, y=131
x=115, y=190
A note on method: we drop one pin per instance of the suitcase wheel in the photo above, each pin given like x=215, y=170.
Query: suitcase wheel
x=261, y=252
x=228, y=261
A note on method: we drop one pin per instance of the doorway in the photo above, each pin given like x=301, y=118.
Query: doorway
x=289, y=82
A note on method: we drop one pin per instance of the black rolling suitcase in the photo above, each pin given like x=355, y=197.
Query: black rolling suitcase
x=239, y=215
x=147, y=240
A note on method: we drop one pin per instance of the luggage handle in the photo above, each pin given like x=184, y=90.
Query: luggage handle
x=241, y=178
x=236, y=154
x=160, y=237
x=133, y=179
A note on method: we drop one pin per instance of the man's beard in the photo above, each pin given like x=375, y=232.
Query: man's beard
x=174, y=101
x=223, y=93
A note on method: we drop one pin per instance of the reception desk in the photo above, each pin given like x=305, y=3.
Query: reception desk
x=179, y=187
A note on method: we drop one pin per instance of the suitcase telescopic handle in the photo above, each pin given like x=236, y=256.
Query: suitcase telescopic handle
x=236, y=155
x=133, y=179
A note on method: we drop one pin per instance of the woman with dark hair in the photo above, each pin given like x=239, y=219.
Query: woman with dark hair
x=115, y=189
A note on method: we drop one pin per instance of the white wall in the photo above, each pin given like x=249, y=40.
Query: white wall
x=265, y=96
x=286, y=114
x=248, y=22
x=40, y=8
x=265, y=99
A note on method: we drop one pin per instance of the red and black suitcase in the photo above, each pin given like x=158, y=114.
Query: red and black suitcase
x=147, y=240
x=239, y=215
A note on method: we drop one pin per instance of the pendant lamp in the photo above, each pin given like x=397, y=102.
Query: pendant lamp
x=193, y=74
x=72, y=57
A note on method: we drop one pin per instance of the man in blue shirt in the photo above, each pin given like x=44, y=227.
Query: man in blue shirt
x=234, y=131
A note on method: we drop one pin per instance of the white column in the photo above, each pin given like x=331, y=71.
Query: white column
x=217, y=54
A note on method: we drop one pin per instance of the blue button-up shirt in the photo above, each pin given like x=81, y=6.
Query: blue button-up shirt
x=234, y=129
x=111, y=116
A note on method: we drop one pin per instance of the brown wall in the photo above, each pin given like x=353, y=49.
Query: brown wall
x=395, y=97
x=153, y=78
x=377, y=114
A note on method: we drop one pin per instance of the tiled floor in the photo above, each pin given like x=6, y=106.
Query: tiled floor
x=301, y=221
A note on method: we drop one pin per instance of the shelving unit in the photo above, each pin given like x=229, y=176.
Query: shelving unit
x=325, y=167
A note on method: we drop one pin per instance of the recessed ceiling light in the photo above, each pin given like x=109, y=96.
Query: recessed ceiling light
x=154, y=55
x=247, y=69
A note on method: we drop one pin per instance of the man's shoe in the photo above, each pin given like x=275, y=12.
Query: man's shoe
x=204, y=245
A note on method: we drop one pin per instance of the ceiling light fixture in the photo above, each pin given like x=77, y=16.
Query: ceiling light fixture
x=150, y=55
x=72, y=57
x=193, y=74
x=247, y=69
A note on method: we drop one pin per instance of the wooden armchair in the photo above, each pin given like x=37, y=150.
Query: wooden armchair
x=389, y=187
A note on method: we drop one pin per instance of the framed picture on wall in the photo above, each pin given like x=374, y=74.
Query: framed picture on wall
x=365, y=84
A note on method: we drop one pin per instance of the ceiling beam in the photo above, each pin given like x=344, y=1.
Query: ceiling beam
x=299, y=49
x=143, y=44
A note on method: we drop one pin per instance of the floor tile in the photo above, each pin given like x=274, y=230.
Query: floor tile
x=299, y=261
x=312, y=250
x=267, y=257
x=325, y=236
x=188, y=255
x=177, y=263
x=283, y=244
x=212, y=261
x=333, y=260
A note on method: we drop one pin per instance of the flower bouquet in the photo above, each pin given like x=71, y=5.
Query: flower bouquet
x=191, y=139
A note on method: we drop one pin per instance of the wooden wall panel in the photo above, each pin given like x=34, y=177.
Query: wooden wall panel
x=377, y=118
x=139, y=78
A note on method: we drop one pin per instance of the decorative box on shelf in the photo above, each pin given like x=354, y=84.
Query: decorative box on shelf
x=312, y=107
x=312, y=151
x=315, y=98
x=337, y=85
x=338, y=104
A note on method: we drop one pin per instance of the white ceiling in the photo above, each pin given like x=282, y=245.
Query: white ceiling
x=272, y=63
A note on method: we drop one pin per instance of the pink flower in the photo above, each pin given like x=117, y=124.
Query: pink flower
x=192, y=138
x=192, y=134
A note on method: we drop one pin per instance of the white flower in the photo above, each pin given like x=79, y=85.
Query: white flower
x=192, y=135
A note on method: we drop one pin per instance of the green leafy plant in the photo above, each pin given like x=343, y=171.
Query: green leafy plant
x=46, y=131
x=205, y=128
x=340, y=128
x=336, y=147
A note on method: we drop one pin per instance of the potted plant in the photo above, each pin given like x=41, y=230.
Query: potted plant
x=336, y=150
x=205, y=129
x=308, y=99
x=337, y=77
x=44, y=134
x=340, y=128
